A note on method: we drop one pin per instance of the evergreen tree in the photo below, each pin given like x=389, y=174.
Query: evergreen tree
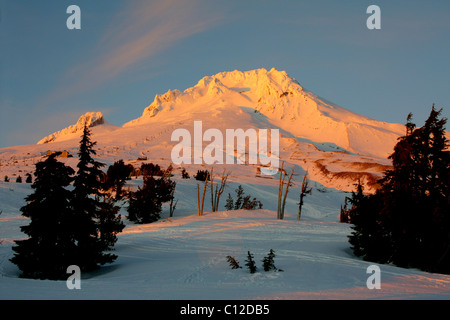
x=50, y=248
x=109, y=223
x=201, y=175
x=19, y=179
x=145, y=204
x=344, y=216
x=242, y=202
x=407, y=222
x=229, y=204
x=239, y=197
x=234, y=264
x=184, y=174
x=90, y=212
x=268, y=261
x=116, y=175
x=416, y=196
x=369, y=239
x=150, y=169
x=248, y=204
x=250, y=263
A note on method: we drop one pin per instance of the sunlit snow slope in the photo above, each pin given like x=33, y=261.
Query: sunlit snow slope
x=337, y=147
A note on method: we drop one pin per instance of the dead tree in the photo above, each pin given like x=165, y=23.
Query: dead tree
x=200, y=204
x=217, y=192
x=303, y=192
x=172, y=205
x=281, y=198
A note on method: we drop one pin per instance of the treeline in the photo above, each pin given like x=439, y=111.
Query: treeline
x=407, y=221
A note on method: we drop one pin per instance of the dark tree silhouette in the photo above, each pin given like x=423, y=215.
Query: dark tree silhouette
x=407, y=222
x=50, y=249
x=234, y=264
x=250, y=263
x=116, y=176
x=91, y=213
x=145, y=204
x=268, y=261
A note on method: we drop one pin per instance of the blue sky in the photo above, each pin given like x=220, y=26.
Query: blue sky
x=128, y=51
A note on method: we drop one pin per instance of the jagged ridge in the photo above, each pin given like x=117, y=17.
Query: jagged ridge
x=286, y=104
x=90, y=119
x=330, y=142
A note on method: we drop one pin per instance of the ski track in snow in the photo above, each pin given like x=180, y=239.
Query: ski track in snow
x=184, y=257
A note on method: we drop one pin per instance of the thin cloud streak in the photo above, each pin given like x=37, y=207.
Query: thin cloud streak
x=146, y=29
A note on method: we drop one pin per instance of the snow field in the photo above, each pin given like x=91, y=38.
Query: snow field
x=184, y=257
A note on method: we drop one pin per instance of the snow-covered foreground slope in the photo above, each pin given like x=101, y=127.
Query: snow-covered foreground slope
x=184, y=258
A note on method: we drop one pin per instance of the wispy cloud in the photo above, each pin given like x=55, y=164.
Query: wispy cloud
x=142, y=30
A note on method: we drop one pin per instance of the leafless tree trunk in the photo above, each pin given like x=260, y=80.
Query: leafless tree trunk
x=200, y=205
x=217, y=193
x=285, y=193
x=280, y=190
x=303, y=192
x=281, y=198
x=172, y=205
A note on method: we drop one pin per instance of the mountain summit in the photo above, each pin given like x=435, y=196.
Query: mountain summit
x=336, y=146
x=285, y=103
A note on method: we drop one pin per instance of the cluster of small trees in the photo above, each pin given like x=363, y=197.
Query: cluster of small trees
x=407, y=221
x=29, y=179
x=217, y=189
x=145, y=204
x=268, y=262
x=202, y=175
x=67, y=227
x=116, y=176
x=242, y=201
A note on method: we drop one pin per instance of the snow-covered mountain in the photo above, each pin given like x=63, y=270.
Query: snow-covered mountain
x=187, y=253
x=89, y=119
x=337, y=147
x=286, y=104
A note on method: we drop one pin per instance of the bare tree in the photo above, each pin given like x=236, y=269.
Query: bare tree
x=280, y=190
x=200, y=204
x=217, y=192
x=303, y=192
x=281, y=198
x=172, y=205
